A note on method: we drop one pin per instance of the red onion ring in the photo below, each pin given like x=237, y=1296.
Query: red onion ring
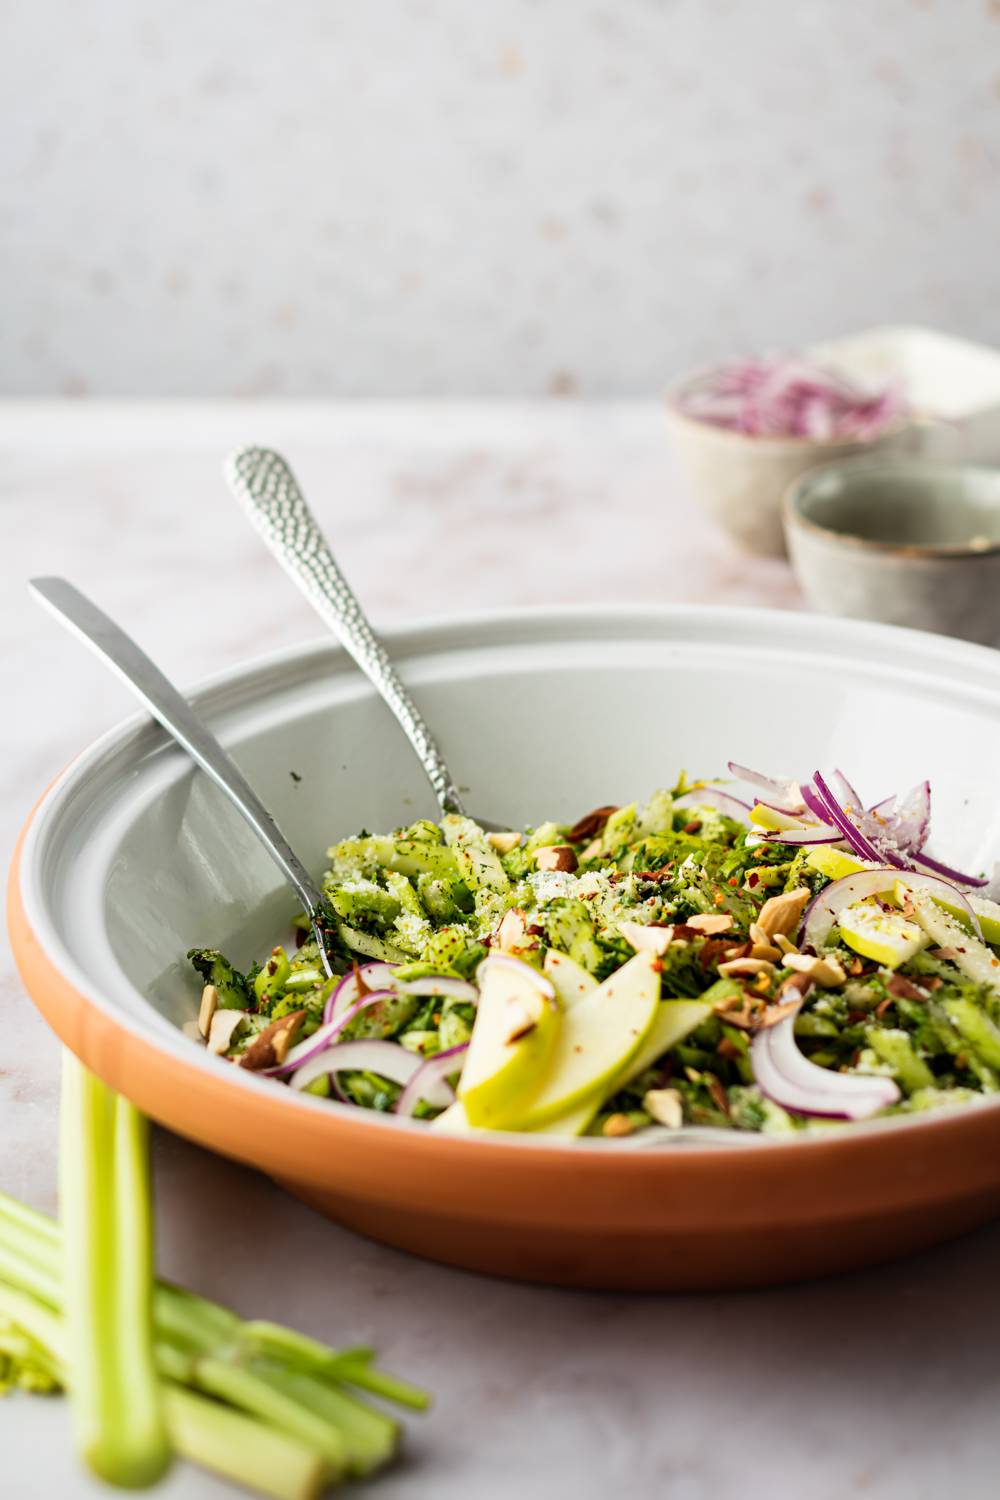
x=783, y=796
x=713, y=796
x=788, y=1078
x=445, y=985
x=829, y=808
x=374, y=976
x=387, y=1059
x=302, y=1051
x=949, y=874
x=430, y=1081
x=820, y=916
x=823, y=835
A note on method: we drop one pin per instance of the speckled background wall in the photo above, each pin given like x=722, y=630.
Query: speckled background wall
x=382, y=197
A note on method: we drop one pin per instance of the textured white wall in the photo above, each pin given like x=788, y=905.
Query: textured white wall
x=483, y=196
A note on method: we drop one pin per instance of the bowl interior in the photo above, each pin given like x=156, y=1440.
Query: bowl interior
x=912, y=505
x=134, y=857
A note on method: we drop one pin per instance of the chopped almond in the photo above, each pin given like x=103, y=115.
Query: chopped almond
x=556, y=857
x=737, y=966
x=503, y=843
x=592, y=850
x=646, y=939
x=775, y=1013
x=711, y=922
x=193, y=1032
x=616, y=1125
x=665, y=1107
x=589, y=826
x=784, y=944
x=765, y=951
x=780, y=914
x=718, y=1094
x=209, y=1005
x=827, y=972
x=512, y=935
x=225, y=1024
x=271, y=1047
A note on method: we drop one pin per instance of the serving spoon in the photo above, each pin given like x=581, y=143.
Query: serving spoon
x=269, y=492
x=120, y=652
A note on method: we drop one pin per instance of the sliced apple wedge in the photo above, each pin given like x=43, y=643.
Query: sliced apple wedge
x=455, y=1121
x=570, y=980
x=517, y=1023
x=598, y=1037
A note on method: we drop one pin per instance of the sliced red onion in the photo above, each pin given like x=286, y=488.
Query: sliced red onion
x=789, y=396
x=326, y=1034
x=846, y=793
x=783, y=796
x=430, y=1081
x=822, y=835
x=949, y=874
x=373, y=976
x=714, y=796
x=827, y=807
x=387, y=1059
x=820, y=916
x=911, y=818
x=445, y=985
x=506, y=960
x=787, y=1077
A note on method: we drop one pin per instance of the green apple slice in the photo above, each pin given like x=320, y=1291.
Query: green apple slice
x=570, y=980
x=598, y=1038
x=886, y=937
x=516, y=1027
x=773, y=820
x=455, y=1121
x=973, y=958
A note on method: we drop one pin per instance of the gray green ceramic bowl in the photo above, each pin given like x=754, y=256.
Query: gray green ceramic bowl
x=907, y=543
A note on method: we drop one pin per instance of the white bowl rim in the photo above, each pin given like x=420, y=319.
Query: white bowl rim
x=221, y=689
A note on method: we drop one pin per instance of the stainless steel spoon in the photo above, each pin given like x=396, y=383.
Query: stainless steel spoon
x=262, y=481
x=169, y=708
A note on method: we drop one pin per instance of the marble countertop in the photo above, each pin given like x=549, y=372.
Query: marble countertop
x=880, y=1384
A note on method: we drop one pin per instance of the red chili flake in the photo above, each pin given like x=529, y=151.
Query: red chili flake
x=753, y=879
x=733, y=880
x=536, y=931
x=693, y=826
x=657, y=966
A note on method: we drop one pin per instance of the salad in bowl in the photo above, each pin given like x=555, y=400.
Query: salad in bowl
x=706, y=960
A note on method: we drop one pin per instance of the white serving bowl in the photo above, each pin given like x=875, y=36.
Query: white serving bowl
x=132, y=857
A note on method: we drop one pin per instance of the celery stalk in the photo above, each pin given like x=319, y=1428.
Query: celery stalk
x=105, y=1203
x=245, y=1451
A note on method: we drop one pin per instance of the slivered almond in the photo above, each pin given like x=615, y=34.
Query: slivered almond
x=737, y=966
x=222, y=1033
x=665, y=1107
x=209, y=1005
x=616, y=1125
x=827, y=972
x=512, y=935
x=556, y=857
x=193, y=1032
x=710, y=922
x=783, y=943
x=775, y=1013
x=272, y=1045
x=765, y=950
x=503, y=843
x=592, y=850
x=780, y=914
x=646, y=939
x=757, y=933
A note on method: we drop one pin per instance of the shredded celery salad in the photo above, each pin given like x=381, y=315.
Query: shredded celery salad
x=767, y=962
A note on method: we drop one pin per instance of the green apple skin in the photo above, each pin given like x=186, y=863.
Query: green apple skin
x=500, y=1076
x=570, y=980
x=598, y=1038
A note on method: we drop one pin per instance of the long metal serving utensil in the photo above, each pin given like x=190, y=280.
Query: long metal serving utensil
x=266, y=487
x=118, y=651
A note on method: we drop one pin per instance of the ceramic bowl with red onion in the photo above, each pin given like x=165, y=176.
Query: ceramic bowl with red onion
x=744, y=430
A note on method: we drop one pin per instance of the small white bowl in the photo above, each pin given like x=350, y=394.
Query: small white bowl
x=741, y=480
x=913, y=543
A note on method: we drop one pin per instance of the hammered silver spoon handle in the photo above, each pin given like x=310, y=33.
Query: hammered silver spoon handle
x=266, y=486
